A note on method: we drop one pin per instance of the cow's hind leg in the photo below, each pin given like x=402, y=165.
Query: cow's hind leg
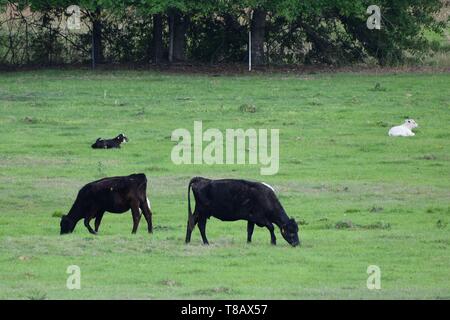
x=147, y=214
x=136, y=216
x=202, y=228
x=250, y=227
x=190, y=226
x=98, y=220
x=273, y=239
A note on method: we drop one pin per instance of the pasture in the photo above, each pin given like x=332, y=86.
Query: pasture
x=362, y=198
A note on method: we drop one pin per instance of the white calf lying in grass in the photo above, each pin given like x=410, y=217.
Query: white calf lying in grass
x=405, y=130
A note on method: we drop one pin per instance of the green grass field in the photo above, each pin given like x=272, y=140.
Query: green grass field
x=362, y=197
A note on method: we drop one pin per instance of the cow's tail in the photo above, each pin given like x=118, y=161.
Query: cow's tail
x=191, y=222
x=190, y=215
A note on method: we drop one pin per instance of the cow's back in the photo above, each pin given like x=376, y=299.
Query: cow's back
x=232, y=199
x=104, y=189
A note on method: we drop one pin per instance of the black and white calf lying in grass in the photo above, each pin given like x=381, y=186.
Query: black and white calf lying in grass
x=110, y=143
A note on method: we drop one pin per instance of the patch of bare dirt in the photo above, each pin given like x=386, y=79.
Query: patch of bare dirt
x=217, y=70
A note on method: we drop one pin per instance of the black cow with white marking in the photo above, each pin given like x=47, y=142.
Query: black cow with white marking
x=231, y=200
x=110, y=143
x=116, y=195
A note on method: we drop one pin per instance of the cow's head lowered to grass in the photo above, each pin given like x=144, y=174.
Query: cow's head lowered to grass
x=289, y=231
x=67, y=225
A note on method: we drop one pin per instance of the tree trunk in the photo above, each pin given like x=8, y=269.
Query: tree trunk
x=178, y=25
x=97, y=49
x=258, y=26
x=157, y=40
x=171, y=33
x=48, y=43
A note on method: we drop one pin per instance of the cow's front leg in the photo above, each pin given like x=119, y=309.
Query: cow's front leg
x=87, y=225
x=136, y=216
x=98, y=220
x=250, y=228
x=202, y=228
x=273, y=239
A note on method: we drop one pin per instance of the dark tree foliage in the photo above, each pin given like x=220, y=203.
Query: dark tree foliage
x=218, y=38
x=214, y=31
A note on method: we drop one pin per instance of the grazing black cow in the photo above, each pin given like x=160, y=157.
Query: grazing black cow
x=110, y=143
x=116, y=195
x=231, y=200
